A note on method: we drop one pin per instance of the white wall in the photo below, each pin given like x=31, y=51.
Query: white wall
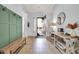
x=17, y=8
x=24, y=25
x=72, y=15
x=32, y=17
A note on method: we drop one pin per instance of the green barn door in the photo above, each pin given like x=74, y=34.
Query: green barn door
x=19, y=26
x=4, y=26
x=12, y=26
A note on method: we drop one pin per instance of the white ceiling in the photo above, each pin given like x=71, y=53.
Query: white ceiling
x=46, y=8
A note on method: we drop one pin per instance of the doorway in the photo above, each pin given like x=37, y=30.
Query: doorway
x=40, y=26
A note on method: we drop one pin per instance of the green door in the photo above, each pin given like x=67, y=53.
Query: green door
x=19, y=26
x=4, y=26
x=12, y=26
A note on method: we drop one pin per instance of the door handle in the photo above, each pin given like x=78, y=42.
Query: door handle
x=3, y=9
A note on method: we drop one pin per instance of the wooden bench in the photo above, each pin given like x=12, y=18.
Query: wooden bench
x=14, y=47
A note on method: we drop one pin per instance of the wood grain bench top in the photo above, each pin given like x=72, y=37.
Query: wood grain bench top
x=13, y=45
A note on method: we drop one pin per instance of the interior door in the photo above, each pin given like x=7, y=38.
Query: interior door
x=12, y=26
x=4, y=26
x=19, y=26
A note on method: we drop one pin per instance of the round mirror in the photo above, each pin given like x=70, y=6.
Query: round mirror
x=61, y=18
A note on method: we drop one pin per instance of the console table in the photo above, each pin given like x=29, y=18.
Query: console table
x=65, y=44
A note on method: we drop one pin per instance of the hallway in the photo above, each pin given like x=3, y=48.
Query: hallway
x=21, y=23
x=38, y=46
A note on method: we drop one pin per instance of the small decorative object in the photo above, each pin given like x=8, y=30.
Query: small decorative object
x=28, y=24
x=61, y=30
x=72, y=26
x=61, y=18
